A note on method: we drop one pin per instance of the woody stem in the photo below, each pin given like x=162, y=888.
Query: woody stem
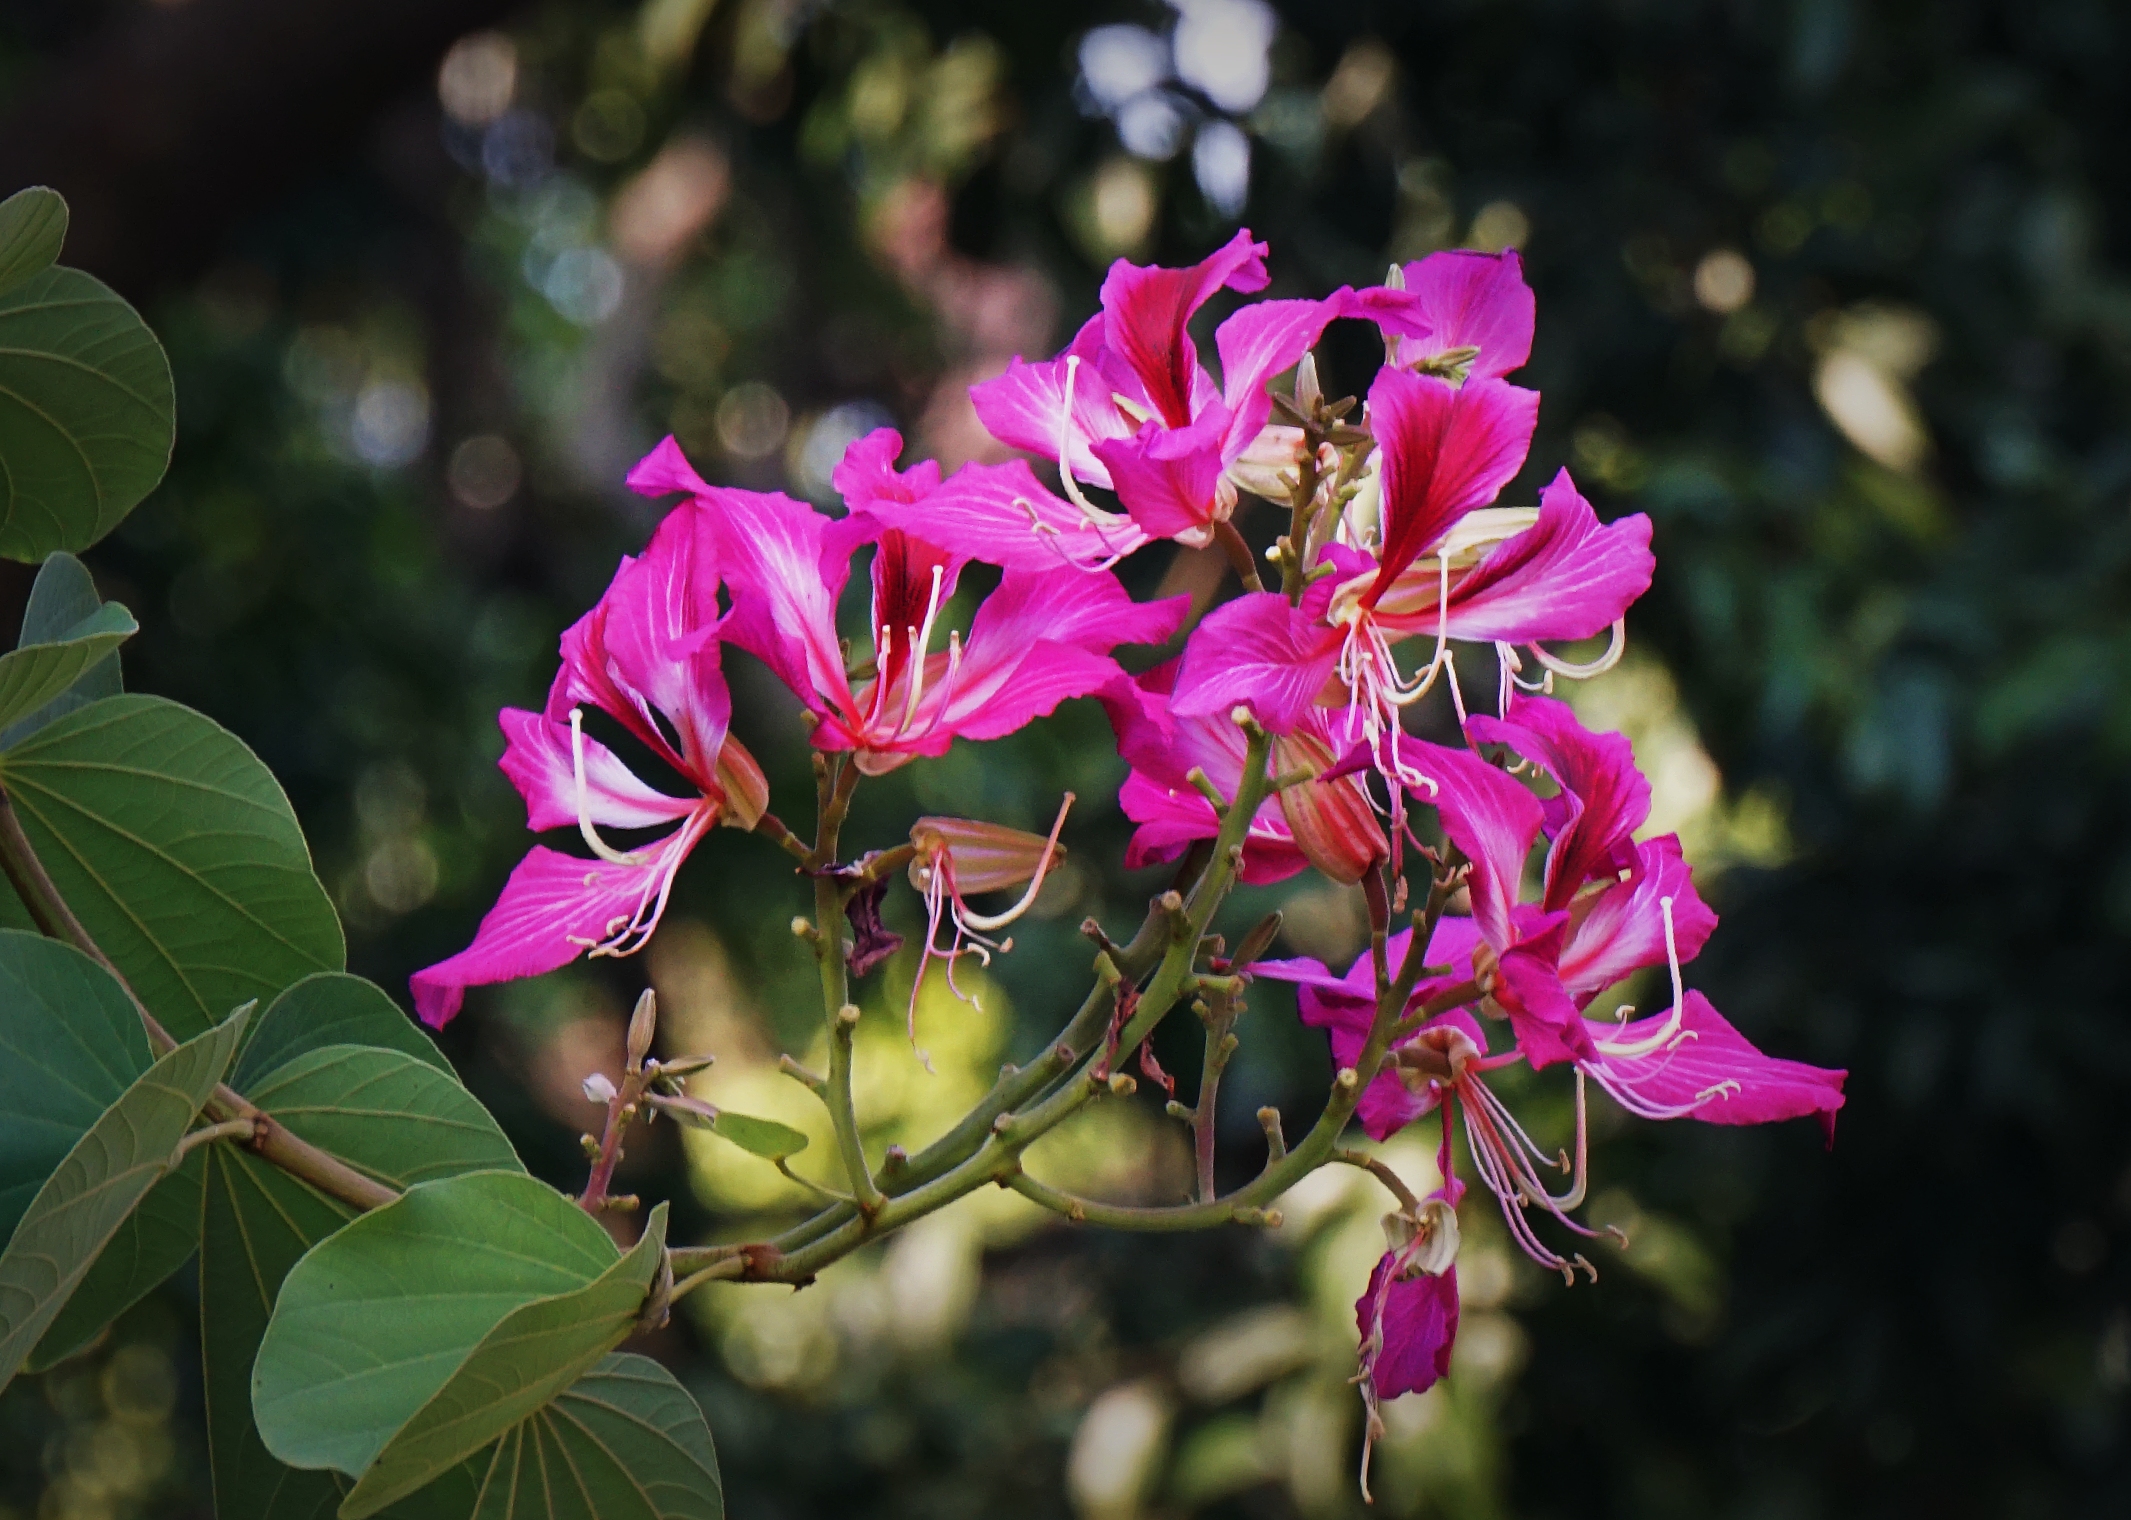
x=837, y=780
x=269, y=1139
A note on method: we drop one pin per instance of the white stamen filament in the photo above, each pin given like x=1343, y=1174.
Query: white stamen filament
x=597, y=845
x=988, y=922
x=1615, y=648
x=1671, y=1026
x=920, y=644
x=1065, y=443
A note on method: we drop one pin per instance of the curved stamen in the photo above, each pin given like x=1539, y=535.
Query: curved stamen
x=1065, y=440
x=1671, y=1026
x=920, y=643
x=626, y=936
x=597, y=845
x=945, y=692
x=1615, y=648
x=988, y=922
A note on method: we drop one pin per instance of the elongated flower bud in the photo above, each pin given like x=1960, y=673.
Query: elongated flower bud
x=1332, y=821
x=986, y=857
x=747, y=790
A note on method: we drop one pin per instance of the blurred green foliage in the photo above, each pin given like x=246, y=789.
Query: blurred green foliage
x=1839, y=292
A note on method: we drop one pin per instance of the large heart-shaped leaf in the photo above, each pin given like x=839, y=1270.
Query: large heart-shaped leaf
x=332, y=1008
x=533, y=1354
x=33, y=226
x=87, y=413
x=158, y=1237
x=374, y=1320
x=70, y=1043
x=124, y=1154
x=179, y=852
x=62, y=599
x=624, y=1442
x=417, y=1122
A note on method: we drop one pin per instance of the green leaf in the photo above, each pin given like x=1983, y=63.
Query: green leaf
x=259, y=1221
x=375, y=1319
x=385, y=1113
x=70, y=1043
x=62, y=597
x=333, y=1008
x=87, y=413
x=157, y=1238
x=124, y=1154
x=529, y=1358
x=35, y=675
x=624, y=1442
x=178, y=851
x=33, y=226
x=759, y=1137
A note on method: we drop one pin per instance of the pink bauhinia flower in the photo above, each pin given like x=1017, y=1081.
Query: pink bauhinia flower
x=1328, y=823
x=998, y=513
x=1446, y=564
x=1455, y=313
x=1128, y=406
x=1040, y=637
x=1633, y=905
x=647, y=657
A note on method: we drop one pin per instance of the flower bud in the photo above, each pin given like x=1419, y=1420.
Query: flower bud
x=1275, y=452
x=599, y=1088
x=1333, y=822
x=643, y=1023
x=987, y=857
x=747, y=790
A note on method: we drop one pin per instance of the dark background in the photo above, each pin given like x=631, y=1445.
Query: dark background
x=1891, y=480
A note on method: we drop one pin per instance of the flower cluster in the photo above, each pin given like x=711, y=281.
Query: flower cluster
x=1304, y=697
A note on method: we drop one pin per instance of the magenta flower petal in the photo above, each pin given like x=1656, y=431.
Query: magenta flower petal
x=1621, y=929
x=784, y=588
x=553, y=908
x=1043, y=637
x=1603, y=800
x=1700, y=1067
x=1492, y=819
x=1473, y=300
x=1145, y=308
x=1025, y=408
x=1001, y=514
x=867, y=473
x=664, y=471
x=1256, y=652
x=1256, y=343
x=1566, y=577
x=1546, y=1021
x=1419, y=1324
x=1169, y=479
x=536, y=757
x=1446, y=450
x=1387, y=1105
x=656, y=634
x=1162, y=750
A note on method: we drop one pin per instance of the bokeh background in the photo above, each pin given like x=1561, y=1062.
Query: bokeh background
x=1838, y=292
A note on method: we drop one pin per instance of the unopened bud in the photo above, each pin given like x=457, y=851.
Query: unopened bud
x=1333, y=822
x=599, y=1088
x=1308, y=392
x=643, y=1023
x=747, y=790
x=986, y=857
x=1122, y=1084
